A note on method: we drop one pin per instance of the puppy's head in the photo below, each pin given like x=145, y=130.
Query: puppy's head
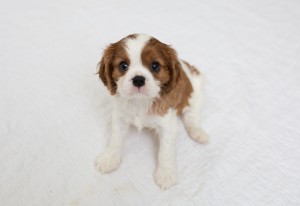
x=139, y=66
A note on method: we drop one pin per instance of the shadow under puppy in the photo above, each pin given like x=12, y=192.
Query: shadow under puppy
x=151, y=87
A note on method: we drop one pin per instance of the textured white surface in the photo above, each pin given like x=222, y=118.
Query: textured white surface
x=53, y=108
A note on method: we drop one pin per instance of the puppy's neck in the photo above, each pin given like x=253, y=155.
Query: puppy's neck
x=134, y=106
x=135, y=111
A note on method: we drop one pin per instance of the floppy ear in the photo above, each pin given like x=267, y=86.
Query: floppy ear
x=174, y=67
x=106, y=67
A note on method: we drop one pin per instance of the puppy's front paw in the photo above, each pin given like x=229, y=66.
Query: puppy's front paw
x=165, y=177
x=107, y=162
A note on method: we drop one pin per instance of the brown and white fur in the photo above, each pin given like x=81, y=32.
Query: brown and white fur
x=154, y=100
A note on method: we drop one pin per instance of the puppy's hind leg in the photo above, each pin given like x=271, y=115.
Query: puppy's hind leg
x=192, y=126
x=191, y=121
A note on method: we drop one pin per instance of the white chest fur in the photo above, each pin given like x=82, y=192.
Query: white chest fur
x=135, y=112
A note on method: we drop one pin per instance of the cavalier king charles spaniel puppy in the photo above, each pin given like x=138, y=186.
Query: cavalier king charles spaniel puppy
x=151, y=88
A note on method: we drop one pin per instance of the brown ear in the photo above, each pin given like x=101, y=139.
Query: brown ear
x=174, y=67
x=106, y=67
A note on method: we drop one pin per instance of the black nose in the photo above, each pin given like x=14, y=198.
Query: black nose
x=138, y=81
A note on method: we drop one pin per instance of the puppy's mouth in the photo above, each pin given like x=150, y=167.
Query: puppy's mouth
x=139, y=92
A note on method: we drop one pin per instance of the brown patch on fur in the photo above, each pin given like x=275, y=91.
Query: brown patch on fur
x=131, y=36
x=176, y=88
x=156, y=51
x=177, y=98
x=192, y=68
x=113, y=55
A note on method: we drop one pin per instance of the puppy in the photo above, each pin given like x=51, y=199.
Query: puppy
x=151, y=88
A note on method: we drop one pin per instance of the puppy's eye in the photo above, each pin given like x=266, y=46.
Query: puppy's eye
x=155, y=66
x=123, y=66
